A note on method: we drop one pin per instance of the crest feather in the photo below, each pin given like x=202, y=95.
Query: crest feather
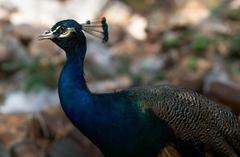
x=97, y=28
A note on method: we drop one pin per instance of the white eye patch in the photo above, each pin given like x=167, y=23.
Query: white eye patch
x=67, y=33
x=56, y=29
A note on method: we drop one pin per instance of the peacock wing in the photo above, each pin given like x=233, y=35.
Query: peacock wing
x=192, y=117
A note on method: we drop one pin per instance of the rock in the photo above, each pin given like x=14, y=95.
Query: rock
x=173, y=57
x=223, y=48
x=149, y=63
x=230, y=10
x=48, y=125
x=235, y=75
x=151, y=48
x=116, y=34
x=10, y=48
x=32, y=101
x=24, y=148
x=47, y=49
x=190, y=73
x=3, y=53
x=4, y=152
x=213, y=26
x=43, y=47
x=118, y=13
x=118, y=83
x=217, y=73
x=7, y=138
x=219, y=86
x=26, y=33
x=52, y=132
x=88, y=147
x=26, y=12
x=193, y=12
x=14, y=48
x=137, y=27
x=99, y=60
x=65, y=147
x=235, y=4
x=184, y=79
x=8, y=6
x=13, y=128
x=4, y=14
x=82, y=10
x=227, y=94
x=48, y=12
x=129, y=46
x=147, y=68
x=158, y=21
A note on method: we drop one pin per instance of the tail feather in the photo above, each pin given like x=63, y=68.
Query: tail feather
x=234, y=142
x=223, y=148
x=188, y=149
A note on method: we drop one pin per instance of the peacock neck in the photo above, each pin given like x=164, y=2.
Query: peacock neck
x=72, y=85
x=74, y=67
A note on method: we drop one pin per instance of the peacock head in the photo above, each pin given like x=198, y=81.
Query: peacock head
x=68, y=33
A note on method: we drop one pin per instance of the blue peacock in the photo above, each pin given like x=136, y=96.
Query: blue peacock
x=140, y=121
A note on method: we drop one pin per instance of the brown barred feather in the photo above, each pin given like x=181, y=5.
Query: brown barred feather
x=193, y=117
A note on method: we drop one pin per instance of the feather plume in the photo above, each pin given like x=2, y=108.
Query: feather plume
x=97, y=28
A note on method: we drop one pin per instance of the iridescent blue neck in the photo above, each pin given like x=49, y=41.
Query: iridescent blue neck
x=73, y=71
x=72, y=86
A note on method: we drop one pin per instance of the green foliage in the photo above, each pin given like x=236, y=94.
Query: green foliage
x=124, y=63
x=218, y=8
x=199, y=43
x=143, y=6
x=36, y=75
x=231, y=67
x=144, y=77
x=171, y=42
x=223, y=10
x=233, y=15
x=192, y=63
x=160, y=75
x=138, y=5
x=137, y=79
x=14, y=66
x=234, y=45
x=2, y=98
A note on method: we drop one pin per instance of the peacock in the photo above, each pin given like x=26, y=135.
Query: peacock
x=140, y=121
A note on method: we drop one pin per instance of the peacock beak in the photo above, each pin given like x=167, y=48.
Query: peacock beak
x=46, y=35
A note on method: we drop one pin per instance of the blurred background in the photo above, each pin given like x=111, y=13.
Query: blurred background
x=190, y=43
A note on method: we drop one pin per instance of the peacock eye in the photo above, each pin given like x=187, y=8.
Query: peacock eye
x=62, y=29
